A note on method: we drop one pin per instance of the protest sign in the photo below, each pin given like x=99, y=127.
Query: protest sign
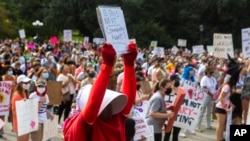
x=245, y=36
x=248, y=116
x=158, y=51
x=210, y=50
x=67, y=35
x=141, y=127
x=182, y=43
x=174, y=50
x=86, y=42
x=151, y=127
x=198, y=49
x=22, y=33
x=50, y=128
x=54, y=92
x=223, y=45
x=113, y=26
x=177, y=104
x=142, y=107
x=27, y=116
x=98, y=40
x=146, y=87
x=5, y=92
x=153, y=44
x=190, y=109
x=1, y=123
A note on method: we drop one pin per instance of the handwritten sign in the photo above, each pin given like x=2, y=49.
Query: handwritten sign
x=142, y=107
x=27, y=117
x=112, y=23
x=210, y=50
x=153, y=44
x=223, y=45
x=54, y=92
x=141, y=127
x=50, y=128
x=67, y=35
x=98, y=40
x=5, y=91
x=190, y=109
x=245, y=36
x=158, y=51
x=198, y=49
x=174, y=50
x=22, y=33
x=182, y=43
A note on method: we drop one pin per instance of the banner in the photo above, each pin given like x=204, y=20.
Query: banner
x=22, y=33
x=245, y=36
x=198, y=49
x=5, y=92
x=54, y=92
x=182, y=43
x=50, y=128
x=113, y=26
x=27, y=116
x=190, y=109
x=223, y=45
x=67, y=35
x=141, y=127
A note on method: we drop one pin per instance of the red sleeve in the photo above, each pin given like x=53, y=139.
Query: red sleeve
x=90, y=111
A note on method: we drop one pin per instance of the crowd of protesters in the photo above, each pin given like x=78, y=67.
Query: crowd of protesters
x=30, y=65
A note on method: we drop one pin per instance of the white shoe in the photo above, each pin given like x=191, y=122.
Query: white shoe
x=192, y=132
x=183, y=135
x=199, y=129
x=59, y=127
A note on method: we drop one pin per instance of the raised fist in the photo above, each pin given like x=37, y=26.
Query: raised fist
x=108, y=54
x=130, y=57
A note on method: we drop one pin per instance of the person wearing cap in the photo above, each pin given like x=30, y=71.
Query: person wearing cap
x=222, y=108
x=40, y=94
x=103, y=112
x=51, y=66
x=19, y=94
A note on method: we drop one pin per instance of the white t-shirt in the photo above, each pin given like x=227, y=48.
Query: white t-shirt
x=210, y=83
x=225, y=89
x=70, y=87
x=42, y=115
x=150, y=69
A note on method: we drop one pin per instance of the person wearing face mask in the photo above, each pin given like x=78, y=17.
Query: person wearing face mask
x=40, y=94
x=157, y=112
x=208, y=83
x=8, y=76
x=20, y=93
x=51, y=66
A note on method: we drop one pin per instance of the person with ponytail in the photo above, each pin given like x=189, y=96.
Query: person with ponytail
x=20, y=93
x=40, y=94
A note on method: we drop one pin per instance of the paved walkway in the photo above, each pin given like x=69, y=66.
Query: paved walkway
x=207, y=135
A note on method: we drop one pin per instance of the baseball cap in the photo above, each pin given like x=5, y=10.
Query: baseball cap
x=22, y=78
x=40, y=83
x=117, y=100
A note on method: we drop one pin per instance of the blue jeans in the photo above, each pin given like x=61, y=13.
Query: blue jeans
x=207, y=105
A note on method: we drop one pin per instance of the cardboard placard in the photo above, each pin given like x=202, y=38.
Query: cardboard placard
x=50, y=128
x=146, y=88
x=182, y=43
x=22, y=33
x=153, y=44
x=67, y=35
x=245, y=36
x=223, y=45
x=54, y=92
x=177, y=104
x=5, y=92
x=210, y=49
x=198, y=49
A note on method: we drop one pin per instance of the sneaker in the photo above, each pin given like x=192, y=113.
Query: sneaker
x=210, y=128
x=59, y=127
x=192, y=132
x=199, y=129
x=183, y=135
x=2, y=137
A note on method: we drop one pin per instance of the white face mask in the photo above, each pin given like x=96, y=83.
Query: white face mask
x=26, y=86
x=41, y=90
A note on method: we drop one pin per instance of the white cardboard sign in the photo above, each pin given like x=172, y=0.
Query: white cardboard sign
x=223, y=45
x=182, y=42
x=67, y=35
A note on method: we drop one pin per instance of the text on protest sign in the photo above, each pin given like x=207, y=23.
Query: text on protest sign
x=187, y=117
x=198, y=49
x=5, y=92
x=223, y=45
x=112, y=22
x=141, y=127
x=142, y=107
x=245, y=35
x=67, y=35
x=158, y=51
x=27, y=116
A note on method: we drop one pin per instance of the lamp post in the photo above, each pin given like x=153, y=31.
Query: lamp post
x=37, y=24
x=201, y=27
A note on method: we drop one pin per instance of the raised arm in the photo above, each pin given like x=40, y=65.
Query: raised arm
x=90, y=111
x=129, y=81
